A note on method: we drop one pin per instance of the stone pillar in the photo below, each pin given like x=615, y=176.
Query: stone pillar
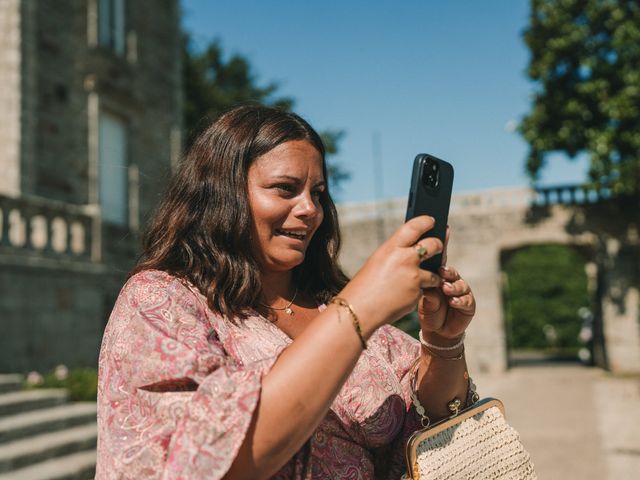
x=620, y=309
x=479, y=262
x=622, y=335
x=10, y=97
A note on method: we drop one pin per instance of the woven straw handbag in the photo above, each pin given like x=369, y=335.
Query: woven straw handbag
x=478, y=443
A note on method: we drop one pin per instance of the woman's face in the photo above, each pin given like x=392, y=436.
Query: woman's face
x=284, y=188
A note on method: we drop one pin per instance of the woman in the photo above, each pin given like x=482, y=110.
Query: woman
x=237, y=347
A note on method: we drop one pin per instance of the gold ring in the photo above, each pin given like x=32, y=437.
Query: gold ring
x=421, y=251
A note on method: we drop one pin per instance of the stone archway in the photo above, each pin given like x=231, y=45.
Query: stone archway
x=586, y=314
x=487, y=223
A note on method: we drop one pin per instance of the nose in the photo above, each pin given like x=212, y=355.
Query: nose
x=307, y=206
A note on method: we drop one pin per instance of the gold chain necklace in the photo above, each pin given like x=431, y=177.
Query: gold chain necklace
x=287, y=308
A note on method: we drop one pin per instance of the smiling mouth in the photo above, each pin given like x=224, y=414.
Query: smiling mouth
x=291, y=234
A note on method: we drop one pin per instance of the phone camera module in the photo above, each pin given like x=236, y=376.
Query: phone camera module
x=431, y=174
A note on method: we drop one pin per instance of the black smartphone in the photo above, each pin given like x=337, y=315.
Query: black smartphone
x=430, y=194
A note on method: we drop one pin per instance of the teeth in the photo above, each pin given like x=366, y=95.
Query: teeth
x=297, y=235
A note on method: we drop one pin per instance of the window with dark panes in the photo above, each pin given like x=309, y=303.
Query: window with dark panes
x=113, y=169
x=111, y=31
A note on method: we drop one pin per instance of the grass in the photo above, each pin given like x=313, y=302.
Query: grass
x=81, y=383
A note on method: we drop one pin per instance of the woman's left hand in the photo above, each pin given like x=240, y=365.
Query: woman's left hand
x=446, y=311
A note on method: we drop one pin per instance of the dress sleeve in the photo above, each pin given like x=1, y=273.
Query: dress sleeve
x=171, y=402
x=401, y=351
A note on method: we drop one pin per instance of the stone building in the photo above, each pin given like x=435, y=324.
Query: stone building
x=90, y=109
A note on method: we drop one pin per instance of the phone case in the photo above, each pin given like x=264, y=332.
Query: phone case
x=425, y=199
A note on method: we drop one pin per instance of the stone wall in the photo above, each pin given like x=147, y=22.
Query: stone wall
x=60, y=133
x=53, y=315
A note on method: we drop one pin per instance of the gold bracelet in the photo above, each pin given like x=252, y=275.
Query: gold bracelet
x=454, y=406
x=341, y=302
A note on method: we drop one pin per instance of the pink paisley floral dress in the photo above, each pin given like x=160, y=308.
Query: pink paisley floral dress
x=178, y=385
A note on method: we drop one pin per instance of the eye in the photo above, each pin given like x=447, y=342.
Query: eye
x=317, y=193
x=286, y=188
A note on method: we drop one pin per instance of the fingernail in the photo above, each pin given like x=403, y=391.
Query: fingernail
x=448, y=285
x=455, y=300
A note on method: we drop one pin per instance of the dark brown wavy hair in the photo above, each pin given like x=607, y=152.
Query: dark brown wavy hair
x=202, y=229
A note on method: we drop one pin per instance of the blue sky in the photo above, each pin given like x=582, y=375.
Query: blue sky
x=446, y=78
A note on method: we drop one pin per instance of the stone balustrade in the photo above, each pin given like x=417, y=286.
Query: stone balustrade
x=479, y=202
x=570, y=195
x=39, y=227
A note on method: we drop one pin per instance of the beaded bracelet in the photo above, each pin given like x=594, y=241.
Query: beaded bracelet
x=341, y=302
x=424, y=419
x=436, y=347
x=460, y=356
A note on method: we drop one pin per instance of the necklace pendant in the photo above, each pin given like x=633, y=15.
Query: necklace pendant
x=288, y=311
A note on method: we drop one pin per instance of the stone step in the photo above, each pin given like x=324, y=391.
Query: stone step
x=27, y=451
x=77, y=466
x=10, y=382
x=24, y=401
x=45, y=420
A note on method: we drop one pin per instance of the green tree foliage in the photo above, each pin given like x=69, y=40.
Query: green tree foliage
x=585, y=62
x=546, y=285
x=331, y=140
x=214, y=83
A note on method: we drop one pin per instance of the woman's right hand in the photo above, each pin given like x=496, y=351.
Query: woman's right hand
x=390, y=282
x=307, y=376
